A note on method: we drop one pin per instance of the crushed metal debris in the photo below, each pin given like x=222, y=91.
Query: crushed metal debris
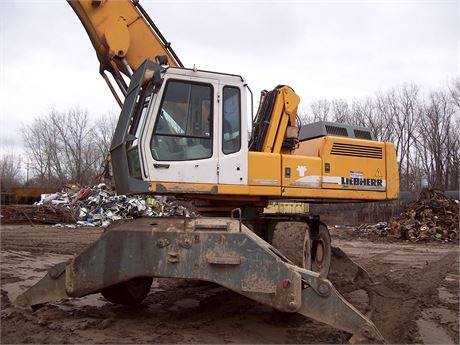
x=433, y=217
x=97, y=206
x=376, y=230
x=35, y=214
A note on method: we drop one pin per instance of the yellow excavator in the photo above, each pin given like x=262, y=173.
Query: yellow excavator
x=184, y=132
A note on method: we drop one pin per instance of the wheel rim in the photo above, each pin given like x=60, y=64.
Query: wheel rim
x=320, y=253
x=306, y=251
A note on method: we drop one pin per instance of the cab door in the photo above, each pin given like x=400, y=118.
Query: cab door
x=233, y=140
x=179, y=140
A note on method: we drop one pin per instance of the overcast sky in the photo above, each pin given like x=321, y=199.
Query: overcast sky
x=323, y=49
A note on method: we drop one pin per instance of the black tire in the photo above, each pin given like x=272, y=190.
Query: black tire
x=321, y=251
x=131, y=292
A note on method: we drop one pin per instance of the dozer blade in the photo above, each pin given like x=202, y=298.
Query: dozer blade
x=343, y=269
x=218, y=250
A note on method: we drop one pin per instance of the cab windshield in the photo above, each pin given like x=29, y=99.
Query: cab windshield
x=183, y=128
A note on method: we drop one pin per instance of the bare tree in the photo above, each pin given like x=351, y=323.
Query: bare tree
x=68, y=146
x=340, y=111
x=433, y=142
x=455, y=153
x=454, y=90
x=10, y=171
x=407, y=124
x=361, y=111
x=37, y=139
x=321, y=110
x=103, y=132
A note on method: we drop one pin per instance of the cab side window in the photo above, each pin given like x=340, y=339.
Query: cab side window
x=183, y=128
x=231, y=120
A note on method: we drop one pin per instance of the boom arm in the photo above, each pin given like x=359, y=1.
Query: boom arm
x=124, y=36
x=275, y=128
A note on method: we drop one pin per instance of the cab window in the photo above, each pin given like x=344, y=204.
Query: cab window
x=183, y=128
x=231, y=120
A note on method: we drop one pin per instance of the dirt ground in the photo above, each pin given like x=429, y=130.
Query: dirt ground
x=415, y=297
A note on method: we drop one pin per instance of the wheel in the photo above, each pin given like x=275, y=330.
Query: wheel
x=292, y=239
x=130, y=292
x=321, y=251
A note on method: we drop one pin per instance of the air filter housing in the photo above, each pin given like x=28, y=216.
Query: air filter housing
x=323, y=128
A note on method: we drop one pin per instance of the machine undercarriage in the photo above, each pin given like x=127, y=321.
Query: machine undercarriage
x=122, y=263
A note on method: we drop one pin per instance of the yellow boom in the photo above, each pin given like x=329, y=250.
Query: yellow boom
x=123, y=36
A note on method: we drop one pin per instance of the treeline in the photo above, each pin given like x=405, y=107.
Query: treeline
x=67, y=147
x=424, y=129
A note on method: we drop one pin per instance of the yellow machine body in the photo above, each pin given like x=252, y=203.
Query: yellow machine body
x=323, y=169
x=295, y=176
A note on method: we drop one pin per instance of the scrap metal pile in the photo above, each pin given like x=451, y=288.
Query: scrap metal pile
x=434, y=216
x=97, y=206
x=34, y=214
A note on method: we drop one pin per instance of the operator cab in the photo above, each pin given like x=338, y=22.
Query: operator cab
x=192, y=130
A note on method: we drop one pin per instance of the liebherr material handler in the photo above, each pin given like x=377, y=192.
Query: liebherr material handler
x=184, y=132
